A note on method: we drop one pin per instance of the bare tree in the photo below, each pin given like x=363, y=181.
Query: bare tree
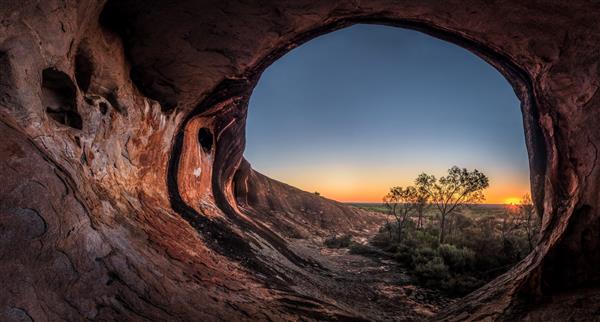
x=421, y=205
x=531, y=221
x=449, y=194
x=401, y=202
x=510, y=221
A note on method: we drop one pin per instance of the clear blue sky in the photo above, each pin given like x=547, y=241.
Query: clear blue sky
x=353, y=112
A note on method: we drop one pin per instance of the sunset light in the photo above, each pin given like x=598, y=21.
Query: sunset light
x=316, y=123
x=512, y=201
x=323, y=160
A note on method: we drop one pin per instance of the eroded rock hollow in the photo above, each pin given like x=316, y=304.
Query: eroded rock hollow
x=125, y=195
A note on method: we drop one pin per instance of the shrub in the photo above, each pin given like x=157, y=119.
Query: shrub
x=458, y=259
x=381, y=239
x=432, y=272
x=360, y=249
x=423, y=255
x=338, y=242
x=404, y=254
x=478, y=249
x=425, y=238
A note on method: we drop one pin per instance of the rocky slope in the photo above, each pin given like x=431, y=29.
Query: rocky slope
x=125, y=195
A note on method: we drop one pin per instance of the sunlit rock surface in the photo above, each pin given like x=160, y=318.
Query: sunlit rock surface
x=125, y=196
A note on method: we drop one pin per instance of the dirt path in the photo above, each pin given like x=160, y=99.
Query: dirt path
x=377, y=288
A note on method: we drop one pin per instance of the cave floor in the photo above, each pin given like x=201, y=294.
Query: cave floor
x=374, y=287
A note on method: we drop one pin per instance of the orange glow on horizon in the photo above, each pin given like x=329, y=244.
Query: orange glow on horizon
x=512, y=201
x=501, y=195
x=376, y=198
x=347, y=183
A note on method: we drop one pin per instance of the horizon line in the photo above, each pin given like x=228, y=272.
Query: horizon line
x=381, y=202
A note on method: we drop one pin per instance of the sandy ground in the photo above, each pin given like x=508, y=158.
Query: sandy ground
x=377, y=288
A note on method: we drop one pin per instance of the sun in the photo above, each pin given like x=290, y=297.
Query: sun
x=512, y=201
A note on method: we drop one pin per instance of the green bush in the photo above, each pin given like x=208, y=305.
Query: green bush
x=404, y=254
x=432, y=272
x=424, y=237
x=338, y=242
x=382, y=239
x=458, y=259
x=422, y=255
x=360, y=249
x=477, y=249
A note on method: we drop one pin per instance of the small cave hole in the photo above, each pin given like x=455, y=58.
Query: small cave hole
x=113, y=99
x=58, y=96
x=103, y=108
x=6, y=79
x=84, y=69
x=205, y=138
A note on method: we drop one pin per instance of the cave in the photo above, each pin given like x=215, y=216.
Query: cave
x=84, y=69
x=103, y=108
x=206, y=139
x=59, y=96
x=359, y=106
x=127, y=227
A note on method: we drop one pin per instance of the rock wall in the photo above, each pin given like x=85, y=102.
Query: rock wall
x=125, y=195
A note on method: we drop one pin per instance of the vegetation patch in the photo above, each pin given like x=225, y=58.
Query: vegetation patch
x=445, y=239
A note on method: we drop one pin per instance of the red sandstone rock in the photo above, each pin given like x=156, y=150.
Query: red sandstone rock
x=125, y=195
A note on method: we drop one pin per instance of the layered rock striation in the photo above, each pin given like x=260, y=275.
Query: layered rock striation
x=125, y=195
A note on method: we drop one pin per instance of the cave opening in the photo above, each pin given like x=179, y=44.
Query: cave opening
x=366, y=108
x=84, y=69
x=205, y=138
x=59, y=98
x=190, y=235
x=103, y=108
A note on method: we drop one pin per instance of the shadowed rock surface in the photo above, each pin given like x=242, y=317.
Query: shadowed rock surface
x=125, y=195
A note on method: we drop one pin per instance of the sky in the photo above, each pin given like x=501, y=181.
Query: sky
x=354, y=112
